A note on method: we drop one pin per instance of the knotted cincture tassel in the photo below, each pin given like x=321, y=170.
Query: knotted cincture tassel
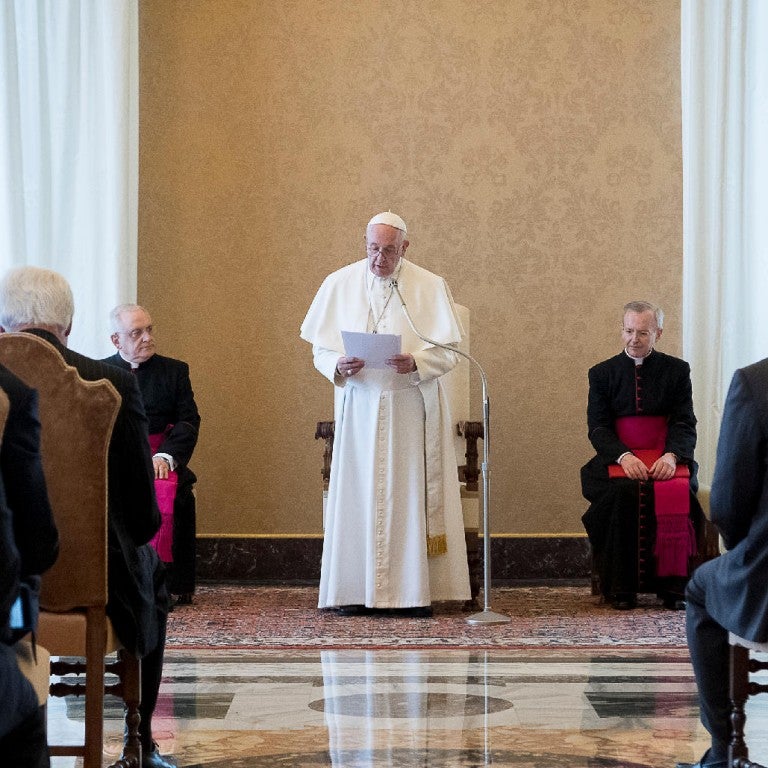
x=437, y=545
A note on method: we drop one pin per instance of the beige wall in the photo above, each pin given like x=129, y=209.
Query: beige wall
x=532, y=147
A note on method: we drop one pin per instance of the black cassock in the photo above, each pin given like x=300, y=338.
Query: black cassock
x=166, y=390
x=661, y=386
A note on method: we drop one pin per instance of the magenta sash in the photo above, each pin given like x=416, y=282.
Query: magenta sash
x=165, y=492
x=675, y=537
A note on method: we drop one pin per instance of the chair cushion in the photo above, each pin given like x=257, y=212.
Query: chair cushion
x=751, y=644
x=64, y=633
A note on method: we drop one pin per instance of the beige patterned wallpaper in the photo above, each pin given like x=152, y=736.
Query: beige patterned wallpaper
x=533, y=147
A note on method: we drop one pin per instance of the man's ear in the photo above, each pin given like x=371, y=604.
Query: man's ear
x=68, y=330
x=115, y=340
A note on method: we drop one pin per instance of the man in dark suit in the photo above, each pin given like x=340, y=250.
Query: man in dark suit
x=637, y=383
x=21, y=466
x=728, y=594
x=40, y=301
x=174, y=424
x=22, y=724
x=29, y=545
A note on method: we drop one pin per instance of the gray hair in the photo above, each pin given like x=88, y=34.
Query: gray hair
x=646, y=306
x=34, y=296
x=114, y=316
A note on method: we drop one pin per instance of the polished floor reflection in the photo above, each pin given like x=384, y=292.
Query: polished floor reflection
x=527, y=708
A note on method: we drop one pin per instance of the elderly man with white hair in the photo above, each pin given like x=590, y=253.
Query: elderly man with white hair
x=174, y=425
x=394, y=536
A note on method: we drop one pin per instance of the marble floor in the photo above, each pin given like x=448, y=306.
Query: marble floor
x=540, y=708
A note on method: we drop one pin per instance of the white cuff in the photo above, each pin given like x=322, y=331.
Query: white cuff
x=168, y=458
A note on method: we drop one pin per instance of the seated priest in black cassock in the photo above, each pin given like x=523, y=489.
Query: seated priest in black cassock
x=644, y=520
x=174, y=424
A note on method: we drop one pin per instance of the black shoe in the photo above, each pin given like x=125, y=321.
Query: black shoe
x=353, y=610
x=703, y=763
x=153, y=759
x=624, y=601
x=672, y=603
x=184, y=599
x=418, y=612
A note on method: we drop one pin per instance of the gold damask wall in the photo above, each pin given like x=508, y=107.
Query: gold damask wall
x=533, y=147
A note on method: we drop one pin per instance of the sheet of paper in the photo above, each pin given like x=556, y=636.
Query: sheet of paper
x=374, y=348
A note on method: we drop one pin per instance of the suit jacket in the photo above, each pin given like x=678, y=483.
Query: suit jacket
x=737, y=597
x=28, y=537
x=16, y=693
x=21, y=467
x=133, y=516
x=666, y=391
x=166, y=390
x=9, y=565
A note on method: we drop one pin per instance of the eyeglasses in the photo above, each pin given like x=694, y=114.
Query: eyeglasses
x=137, y=333
x=388, y=251
x=639, y=334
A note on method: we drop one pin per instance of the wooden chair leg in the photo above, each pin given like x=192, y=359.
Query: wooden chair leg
x=94, y=696
x=472, y=541
x=738, y=754
x=594, y=576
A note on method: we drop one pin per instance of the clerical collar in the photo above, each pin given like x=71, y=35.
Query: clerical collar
x=638, y=360
x=133, y=365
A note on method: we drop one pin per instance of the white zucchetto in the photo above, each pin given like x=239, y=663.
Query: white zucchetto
x=390, y=219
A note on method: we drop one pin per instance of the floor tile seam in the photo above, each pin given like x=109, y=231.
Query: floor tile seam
x=321, y=645
x=353, y=666
x=206, y=653
x=493, y=680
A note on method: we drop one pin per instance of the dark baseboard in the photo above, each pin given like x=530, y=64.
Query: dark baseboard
x=513, y=559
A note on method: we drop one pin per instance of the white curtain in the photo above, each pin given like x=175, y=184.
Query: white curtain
x=724, y=55
x=69, y=150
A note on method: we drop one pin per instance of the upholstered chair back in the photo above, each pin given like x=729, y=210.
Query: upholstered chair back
x=77, y=417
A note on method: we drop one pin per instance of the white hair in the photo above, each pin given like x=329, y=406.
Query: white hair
x=34, y=296
x=114, y=316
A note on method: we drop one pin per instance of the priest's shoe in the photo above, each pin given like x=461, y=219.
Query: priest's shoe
x=184, y=599
x=624, y=601
x=673, y=601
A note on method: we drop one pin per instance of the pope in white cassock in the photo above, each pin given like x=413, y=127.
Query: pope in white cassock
x=394, y=532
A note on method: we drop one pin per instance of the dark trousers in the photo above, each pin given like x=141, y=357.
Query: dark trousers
x=152, y=663
x=23, y=742
x=708, y=646
x=26, y=745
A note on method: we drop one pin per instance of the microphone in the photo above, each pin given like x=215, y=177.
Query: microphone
x=396, y=288
x=486, y=616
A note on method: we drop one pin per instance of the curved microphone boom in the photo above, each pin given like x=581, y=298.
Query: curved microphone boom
x=486, y=616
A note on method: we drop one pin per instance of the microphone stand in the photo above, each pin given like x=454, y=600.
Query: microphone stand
x=486, y=616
